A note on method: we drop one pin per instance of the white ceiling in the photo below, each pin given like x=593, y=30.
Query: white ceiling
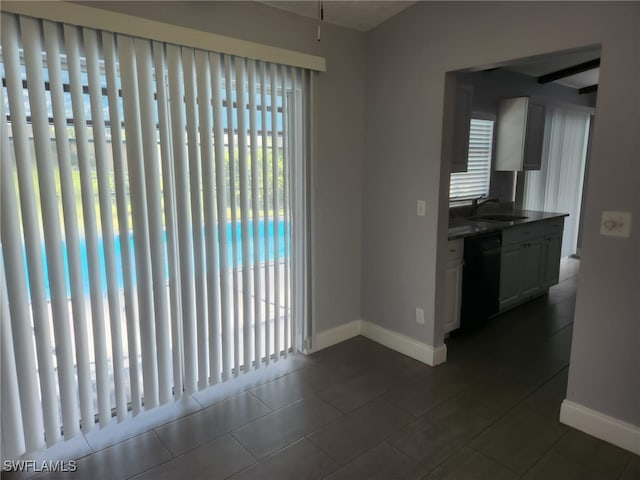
x=360, y=15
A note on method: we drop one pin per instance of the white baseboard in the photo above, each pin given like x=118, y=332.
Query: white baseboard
x=330, y=337
x=395, y=341
x=406, y=345
x=599, y=425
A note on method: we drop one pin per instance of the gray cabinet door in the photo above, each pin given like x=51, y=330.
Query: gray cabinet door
x=510, y=272
x=531, y=263
x=452, y=297
x=511, y=131
x=552, y=252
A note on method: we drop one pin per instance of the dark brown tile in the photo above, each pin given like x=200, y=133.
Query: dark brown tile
x=235, y=386
x=294, y=386
x=356, y=432
x=121, y=461
x=429, y=388
x=354, y=392
x=468, y=464
x=282, y=427
x=632, y=469
x=353, y=356
x=489, y=398
x=548, y=398
x=437, y=434
x=383, y=462
x=519, y=439
x=215, y=460
x=581, y=456
x=302, y=460
x=212, y=422
x=292, y=362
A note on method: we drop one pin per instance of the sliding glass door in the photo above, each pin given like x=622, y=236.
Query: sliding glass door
x=154, y=223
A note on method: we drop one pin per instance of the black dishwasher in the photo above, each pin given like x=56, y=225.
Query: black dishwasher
x=480, y=279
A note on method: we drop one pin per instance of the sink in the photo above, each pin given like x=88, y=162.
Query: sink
x=498, y=217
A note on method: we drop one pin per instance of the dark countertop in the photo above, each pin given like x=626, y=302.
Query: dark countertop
x=464, y=227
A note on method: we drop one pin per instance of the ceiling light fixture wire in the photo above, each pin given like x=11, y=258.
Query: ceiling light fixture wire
x=320, y=16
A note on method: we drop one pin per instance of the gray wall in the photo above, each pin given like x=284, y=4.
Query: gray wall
x=404, y=255
x=337, y=209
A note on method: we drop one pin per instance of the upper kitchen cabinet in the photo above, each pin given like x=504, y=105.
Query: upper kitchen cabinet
x=520, y=134
x=461, y=125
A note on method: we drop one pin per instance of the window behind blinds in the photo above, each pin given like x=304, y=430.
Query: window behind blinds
x=475, y=181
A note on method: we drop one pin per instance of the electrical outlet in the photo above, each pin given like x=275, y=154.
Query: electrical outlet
x=422, y=208
x=616, y=224
x=420, y=316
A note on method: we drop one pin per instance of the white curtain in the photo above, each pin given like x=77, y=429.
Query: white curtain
x=154, y=224
x=557, y=186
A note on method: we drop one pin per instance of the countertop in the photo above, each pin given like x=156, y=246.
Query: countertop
x=465, y=227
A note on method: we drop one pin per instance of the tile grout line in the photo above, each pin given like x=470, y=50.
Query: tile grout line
x=539, y=459
x=482, y=454
x=157, y=464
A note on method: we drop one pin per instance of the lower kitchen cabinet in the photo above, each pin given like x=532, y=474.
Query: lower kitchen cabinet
x=530, y=261
x=453, y=284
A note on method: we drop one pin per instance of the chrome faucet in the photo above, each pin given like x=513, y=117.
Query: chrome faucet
x=476, y=203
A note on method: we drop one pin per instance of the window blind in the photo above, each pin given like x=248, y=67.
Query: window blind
x=475, y=181
x=154, y=220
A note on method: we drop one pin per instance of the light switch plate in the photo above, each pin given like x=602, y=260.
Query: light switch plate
x=422, y=208
x=616, y=224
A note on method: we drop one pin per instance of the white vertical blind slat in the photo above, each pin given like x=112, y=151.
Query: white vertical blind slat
x=100, y=146
x=185, y=245
x=276, y=208
x=247, y=313
x=168, y=191
x=72, y=235
x=32, y=235
x=12, y=440
x=255, y=208
x=228, y=69
x=90, y=228
x=195, y=184
x=266, y=206
x=16, y=290
x=290, y=145
x=148, y=119
x=109, y=52
x=221, y=197
x=203, y=76
x=139, y=210
x=32, y=44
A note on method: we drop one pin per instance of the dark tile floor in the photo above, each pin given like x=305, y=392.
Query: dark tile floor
x=360, y=411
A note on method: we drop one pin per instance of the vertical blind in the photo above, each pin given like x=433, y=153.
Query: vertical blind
x=153, y=224
x=557, y=186
x=475, y=181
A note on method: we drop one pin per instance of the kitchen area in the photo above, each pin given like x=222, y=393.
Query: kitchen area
x=505, y=243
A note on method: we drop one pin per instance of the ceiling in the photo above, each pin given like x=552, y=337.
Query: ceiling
x=363, y=15
x=546, y=64
x=360, y=15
